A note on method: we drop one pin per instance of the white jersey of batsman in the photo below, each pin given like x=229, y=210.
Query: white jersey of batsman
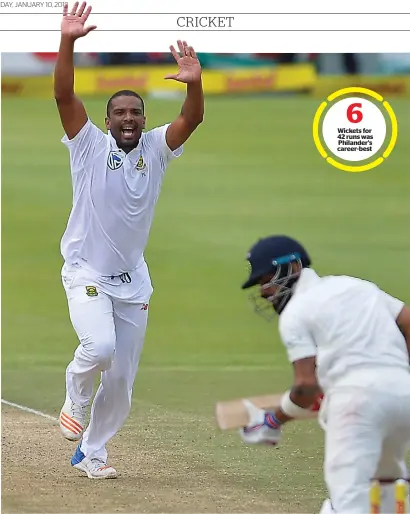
x=349, y=324
x=114, y=197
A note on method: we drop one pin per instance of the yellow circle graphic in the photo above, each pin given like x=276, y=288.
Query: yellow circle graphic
x=363, y=167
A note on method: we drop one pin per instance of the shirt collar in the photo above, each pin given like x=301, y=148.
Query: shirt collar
x=308, y=278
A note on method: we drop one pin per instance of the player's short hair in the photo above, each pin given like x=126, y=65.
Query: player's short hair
x=124, y=92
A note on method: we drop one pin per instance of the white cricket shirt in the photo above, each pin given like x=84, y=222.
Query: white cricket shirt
x=347, y=323
x=114, y=197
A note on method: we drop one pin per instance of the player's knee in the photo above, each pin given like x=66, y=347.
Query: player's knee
x=105, y=354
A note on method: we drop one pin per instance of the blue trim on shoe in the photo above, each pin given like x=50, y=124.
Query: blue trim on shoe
x=78, y=456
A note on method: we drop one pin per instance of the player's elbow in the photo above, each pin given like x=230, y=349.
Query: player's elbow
x=200, y=118
x=193, y=122
x=192, y=118
x=305, y=372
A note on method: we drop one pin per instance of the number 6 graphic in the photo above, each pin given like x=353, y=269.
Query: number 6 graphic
x=354, y=115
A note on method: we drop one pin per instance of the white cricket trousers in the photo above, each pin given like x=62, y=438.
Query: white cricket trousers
x=367, y=435
x=109, y=315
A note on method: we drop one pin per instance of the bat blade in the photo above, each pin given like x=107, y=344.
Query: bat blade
x=233, y=414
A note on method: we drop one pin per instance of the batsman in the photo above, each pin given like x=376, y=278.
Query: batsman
x=350, y=341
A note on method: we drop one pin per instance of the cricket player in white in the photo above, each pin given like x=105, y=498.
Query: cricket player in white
x=349, y=341
x=116, y=179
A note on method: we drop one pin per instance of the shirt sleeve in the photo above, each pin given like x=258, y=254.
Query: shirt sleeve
x=296, y=336
x=85, y=145
x=157, y=138
x=394, y=305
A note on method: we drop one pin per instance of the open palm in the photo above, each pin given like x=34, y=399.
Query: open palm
x=73, y=24
x=189, y=67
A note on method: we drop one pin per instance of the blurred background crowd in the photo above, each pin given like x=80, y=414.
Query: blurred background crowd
x=327, y=64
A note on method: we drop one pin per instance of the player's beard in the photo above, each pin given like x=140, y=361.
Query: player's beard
x=128, y=143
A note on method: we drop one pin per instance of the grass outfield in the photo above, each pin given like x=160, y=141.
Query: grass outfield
x=250, y=170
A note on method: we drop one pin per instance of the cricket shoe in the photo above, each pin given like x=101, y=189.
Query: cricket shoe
x=95, y=468
x=72, y=420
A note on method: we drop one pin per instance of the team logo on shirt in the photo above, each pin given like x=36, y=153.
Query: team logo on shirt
x=141, y=166
x=91, y=291
x=114, y=161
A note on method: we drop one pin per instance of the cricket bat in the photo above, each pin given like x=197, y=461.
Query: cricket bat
x=233, y=414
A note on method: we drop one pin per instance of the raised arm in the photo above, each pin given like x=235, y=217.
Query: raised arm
x=192, y=112
x=72, y=112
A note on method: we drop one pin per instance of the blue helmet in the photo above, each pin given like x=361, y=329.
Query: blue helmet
x=274, y=255
x=267, y=254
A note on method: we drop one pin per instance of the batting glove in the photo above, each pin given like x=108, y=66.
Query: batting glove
x=263, y=427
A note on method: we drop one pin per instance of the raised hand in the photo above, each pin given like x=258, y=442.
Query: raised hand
x=189, y=67
x=73, y=24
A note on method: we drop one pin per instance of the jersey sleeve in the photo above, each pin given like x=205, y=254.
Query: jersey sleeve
x=296, y=336
x=394, y=305
x=157, y=138
x=84, y=146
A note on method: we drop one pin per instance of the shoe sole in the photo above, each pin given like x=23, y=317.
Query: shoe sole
x=73, y=438
x=83, y=468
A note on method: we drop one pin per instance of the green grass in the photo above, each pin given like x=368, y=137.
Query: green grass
x=250, y=170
